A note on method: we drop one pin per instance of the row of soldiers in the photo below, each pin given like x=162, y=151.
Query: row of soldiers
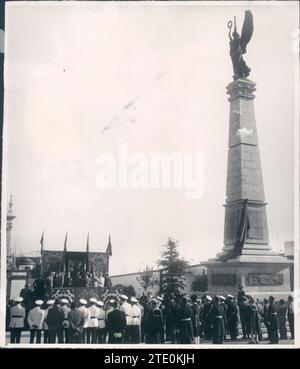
x=176, y=319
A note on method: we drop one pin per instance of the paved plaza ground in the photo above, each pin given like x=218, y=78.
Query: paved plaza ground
x=25, y=340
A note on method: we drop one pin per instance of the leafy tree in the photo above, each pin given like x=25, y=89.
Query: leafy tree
x=173, y=268
x=129, y=291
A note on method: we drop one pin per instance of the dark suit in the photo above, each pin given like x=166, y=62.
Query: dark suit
x=116, y=324
x=54, y=321
x=76, y=321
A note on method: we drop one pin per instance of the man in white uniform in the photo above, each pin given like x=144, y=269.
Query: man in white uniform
x=101, y=331
x=93, y=321
x=35, y=320
x=135, y=322
x=16, y=323
x=126, y=308
x=86, y=312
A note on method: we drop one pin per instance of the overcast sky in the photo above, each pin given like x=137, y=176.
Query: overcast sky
x=70, y=69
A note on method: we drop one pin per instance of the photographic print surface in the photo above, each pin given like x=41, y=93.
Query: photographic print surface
x=149, y=174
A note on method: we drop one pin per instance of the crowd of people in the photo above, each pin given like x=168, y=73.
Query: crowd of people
x=155, y=320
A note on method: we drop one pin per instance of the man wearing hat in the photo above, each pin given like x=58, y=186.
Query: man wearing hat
x=54, y=320
x=135, y=322
x=290, y=315
x=50, y=304
x=206, y=317
x=232, y=317
x=93, y=321
x=35, y=320
x=86, y=314
x=126, y=308
x=101, y=331
x=16, y=323
x=116, y=324
x=65, y=309
x=76, y=322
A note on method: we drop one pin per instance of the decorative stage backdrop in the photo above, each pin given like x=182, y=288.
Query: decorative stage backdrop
x=65, y=261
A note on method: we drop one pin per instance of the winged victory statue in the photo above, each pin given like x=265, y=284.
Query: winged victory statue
x=238, y=45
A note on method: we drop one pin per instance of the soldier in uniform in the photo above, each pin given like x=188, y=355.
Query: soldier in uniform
x=65, y=309
x=290, y=315
x=135, y=321
x=76, y=321
x=126, y=308
x=254, y=327
x=35, y=320
x=54, y=320
x=93, y=321
x=244, y=316
x=185, y=322
x=265, y=316
x=273, y=320
x=16, y=323
x=86, y=314
x=206, y=317
x=216, y=317
x=50, y=304
x=155, y=326
x=196, y=311
x=232, y=317
x=223, y=303
x=145, y=318
x=116, y=324
x=101, y=331
x=282, y=314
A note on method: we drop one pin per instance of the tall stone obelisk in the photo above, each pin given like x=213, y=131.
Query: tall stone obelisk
x=246, y=257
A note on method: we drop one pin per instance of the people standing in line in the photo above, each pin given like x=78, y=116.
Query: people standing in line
x=216, y=317
x=273, y=320
x=35, y=320
x=116, y=324
x=54, y=320
x=290, y=315
x=101, y=330
x=86, y=314
x=17, y=318
x=76, y=319
x=144, y=301
x=232, y=317
x=282, y=319
x=93, y=321
x=126, y=308
x=49, y=305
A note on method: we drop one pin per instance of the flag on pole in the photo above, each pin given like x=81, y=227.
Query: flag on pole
x=42, y=253
x=87, y=252
x=109, y=248
x=65, y=267
x=242, y=232
x=65, y=243
x=42, y=242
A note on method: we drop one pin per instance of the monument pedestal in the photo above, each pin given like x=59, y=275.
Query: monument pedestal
x=261, y=271
x=261, y=276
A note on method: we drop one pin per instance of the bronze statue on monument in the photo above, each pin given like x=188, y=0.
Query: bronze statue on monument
x=238, y=45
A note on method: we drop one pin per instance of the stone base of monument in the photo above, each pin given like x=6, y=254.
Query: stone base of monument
x=261, y=275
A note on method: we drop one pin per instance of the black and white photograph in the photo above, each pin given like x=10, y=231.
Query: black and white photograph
x=150, y=174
